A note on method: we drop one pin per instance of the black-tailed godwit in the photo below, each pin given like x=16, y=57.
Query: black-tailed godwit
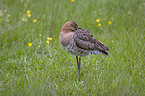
x=79, y=42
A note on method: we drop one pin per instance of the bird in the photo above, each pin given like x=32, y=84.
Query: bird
x=80, y=43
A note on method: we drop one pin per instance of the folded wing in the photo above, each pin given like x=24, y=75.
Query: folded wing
x=84, y=40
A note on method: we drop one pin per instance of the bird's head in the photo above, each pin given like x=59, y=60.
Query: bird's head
x=69, y=26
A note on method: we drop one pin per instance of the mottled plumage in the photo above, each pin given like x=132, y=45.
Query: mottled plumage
x=79, y=42
x=87, y=42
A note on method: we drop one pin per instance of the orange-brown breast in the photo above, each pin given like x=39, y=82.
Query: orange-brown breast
x=66, y=38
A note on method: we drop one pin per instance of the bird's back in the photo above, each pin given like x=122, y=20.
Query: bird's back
x=85, y=41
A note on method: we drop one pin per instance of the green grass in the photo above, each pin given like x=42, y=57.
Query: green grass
x=33, y=71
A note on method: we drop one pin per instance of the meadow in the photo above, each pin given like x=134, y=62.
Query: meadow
x=33, y=62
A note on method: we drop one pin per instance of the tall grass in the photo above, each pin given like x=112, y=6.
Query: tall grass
x=50, y=70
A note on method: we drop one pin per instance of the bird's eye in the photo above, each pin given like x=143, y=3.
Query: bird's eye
x=75, y=26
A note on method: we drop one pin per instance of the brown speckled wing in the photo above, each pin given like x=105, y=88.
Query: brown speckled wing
x=84, y=40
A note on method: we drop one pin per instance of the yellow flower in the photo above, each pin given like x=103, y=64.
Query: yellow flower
x=0, y=19
x=40, y=35
x=98, y=20
x=1, y=13
x=29, y=15
x=54, y=49
x=99, y=24
x=39, y=46
x=23, y=19
x=34, y=21
x=29, y=44
x=72, y=0
x=109, y=22
x=47, y=42
x=28, y=11
x=49, y=38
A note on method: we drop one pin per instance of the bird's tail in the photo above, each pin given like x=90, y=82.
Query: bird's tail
x=104, y=52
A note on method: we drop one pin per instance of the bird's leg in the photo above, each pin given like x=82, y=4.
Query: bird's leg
x=78, y=64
